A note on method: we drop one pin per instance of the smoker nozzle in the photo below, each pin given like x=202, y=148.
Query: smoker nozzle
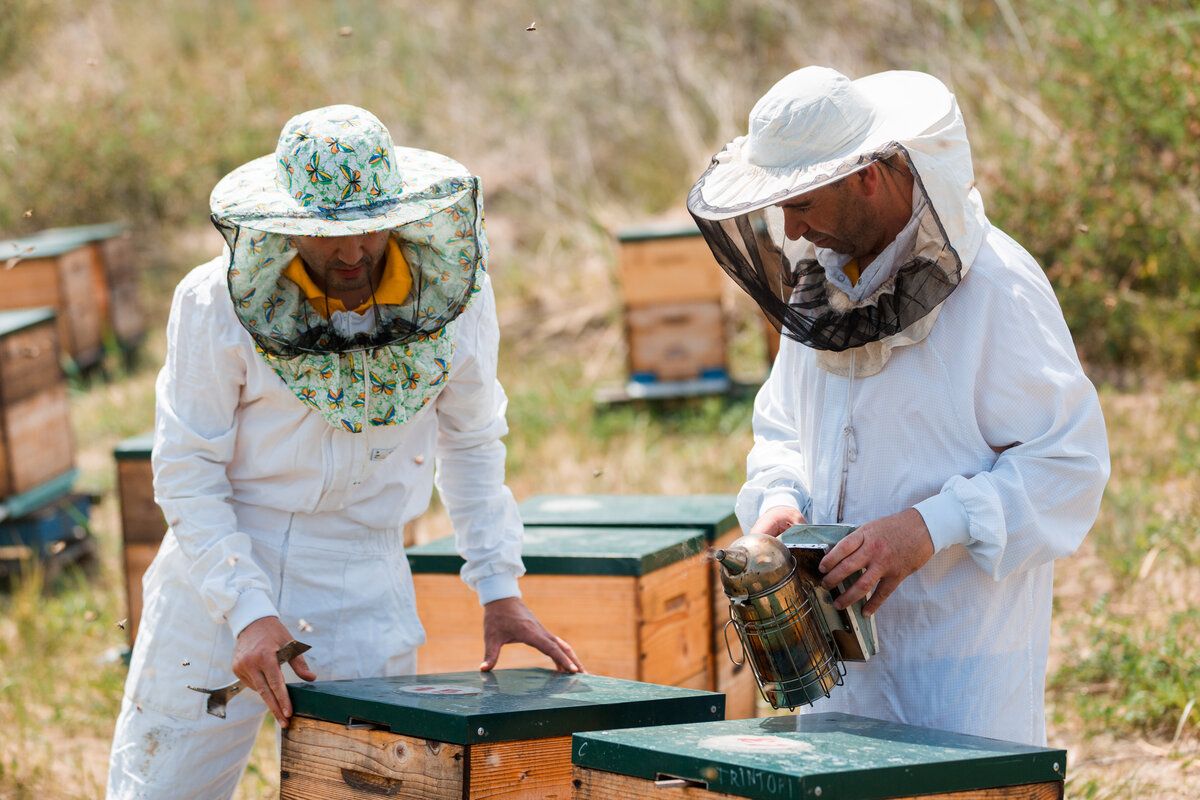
x=733, y=561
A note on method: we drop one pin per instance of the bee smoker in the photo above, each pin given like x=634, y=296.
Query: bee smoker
x=794, y=639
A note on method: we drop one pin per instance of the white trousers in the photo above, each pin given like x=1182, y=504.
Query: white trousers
x=354, y=592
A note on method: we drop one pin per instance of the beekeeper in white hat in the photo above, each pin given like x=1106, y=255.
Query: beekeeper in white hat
x=927, y=390
x=316, y=372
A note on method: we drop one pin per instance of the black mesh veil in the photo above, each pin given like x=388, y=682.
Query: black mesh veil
x=791, y=287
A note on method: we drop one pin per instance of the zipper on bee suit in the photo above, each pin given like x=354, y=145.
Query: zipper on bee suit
x=849, y=444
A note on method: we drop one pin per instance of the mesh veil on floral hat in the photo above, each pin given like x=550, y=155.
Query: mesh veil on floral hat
x=336, y=172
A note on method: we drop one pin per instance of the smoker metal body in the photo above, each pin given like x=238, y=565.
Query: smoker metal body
x=795, y=641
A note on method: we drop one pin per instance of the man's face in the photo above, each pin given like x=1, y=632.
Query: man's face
x=342, y=263
x=835, y=217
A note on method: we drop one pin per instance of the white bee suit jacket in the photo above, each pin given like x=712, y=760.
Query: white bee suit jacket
x=272, y=511
x=991, y=430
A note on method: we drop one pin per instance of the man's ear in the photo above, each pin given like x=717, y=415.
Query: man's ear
x=869, y=179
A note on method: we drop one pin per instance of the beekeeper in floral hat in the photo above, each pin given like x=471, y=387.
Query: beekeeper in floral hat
x=343, y=345
x=927, y=390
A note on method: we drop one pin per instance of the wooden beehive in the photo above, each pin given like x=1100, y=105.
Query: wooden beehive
x=711, y=513
x=667, y=264
x=142, y=522
x=676, y=341
x=35, y=419
x=827, y=756
x=56, y=271
x=503, y=734
x=671, y=289
x=634, y=603
x=115, y=278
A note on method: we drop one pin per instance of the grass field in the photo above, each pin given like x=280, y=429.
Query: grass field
x=1126, y=639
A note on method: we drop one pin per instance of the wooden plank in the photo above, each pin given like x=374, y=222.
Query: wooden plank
x=596, y=614
x=137, y=561
x=675, y=270
x=530, y=769
x=674, y=613
x=79, y=305
x=591, y=784
x=141, y=518
x=99, y=279
x=29, y=362
x=679, y=341
x=327, y=760
x=37, y=442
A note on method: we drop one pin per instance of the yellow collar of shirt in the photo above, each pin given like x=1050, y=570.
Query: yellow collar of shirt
x=392, y=290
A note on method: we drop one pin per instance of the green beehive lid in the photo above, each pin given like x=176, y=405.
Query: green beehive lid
x=665, y=230
x=135, y=448
x=711, y=512
x=14, y=321
x=829, y=756
x=578, y=551
x=18, y=505
x=503, y=705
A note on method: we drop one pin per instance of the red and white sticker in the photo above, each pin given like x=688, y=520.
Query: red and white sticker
x=754, y=744
x=439, y=689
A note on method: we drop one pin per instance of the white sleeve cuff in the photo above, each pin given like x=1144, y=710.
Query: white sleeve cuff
x=778, y=497
x=497, y=587
x=252, y=604
x=946, y=518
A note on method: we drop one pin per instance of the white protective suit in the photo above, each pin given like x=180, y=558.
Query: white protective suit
x=273, y=511
x=946, y=380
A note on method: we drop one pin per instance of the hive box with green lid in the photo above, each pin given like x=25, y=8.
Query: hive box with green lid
x=826, y=756
x=142, y=522
x=56, y=271
x=633, y=602
x=503, y=734
x=712, y=513
x=36, y=446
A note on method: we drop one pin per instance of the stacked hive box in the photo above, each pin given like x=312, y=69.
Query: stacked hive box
x=503, y=734
x=35, y=426
x=633, y=603
x=712, y=514
x=56, y=271
x=827, y=756
x=114, y=276
x=55, y=532
x=671, y=289
x=142, y=523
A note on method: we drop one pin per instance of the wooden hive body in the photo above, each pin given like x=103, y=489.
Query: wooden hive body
x=505, y=734
x=633, y=603
x=36, y=445
x=142, y=523
x=710, y=513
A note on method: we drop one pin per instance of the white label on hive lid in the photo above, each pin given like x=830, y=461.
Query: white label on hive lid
x=754, y=744
x=571, y=504
x=439, y=689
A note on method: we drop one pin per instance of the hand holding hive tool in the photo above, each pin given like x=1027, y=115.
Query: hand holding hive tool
x=791, y=633
x=219, y=698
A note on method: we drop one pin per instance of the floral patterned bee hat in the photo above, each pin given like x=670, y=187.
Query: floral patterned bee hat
x=336, y=172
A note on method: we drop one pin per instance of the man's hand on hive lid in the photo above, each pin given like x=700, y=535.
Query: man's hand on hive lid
x=888, y=550
x=509, y=620
x=775, y=521
x=256, y=664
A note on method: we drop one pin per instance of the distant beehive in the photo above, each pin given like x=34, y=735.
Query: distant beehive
x=671, y=289
x=35, y=419
x=142, y=522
